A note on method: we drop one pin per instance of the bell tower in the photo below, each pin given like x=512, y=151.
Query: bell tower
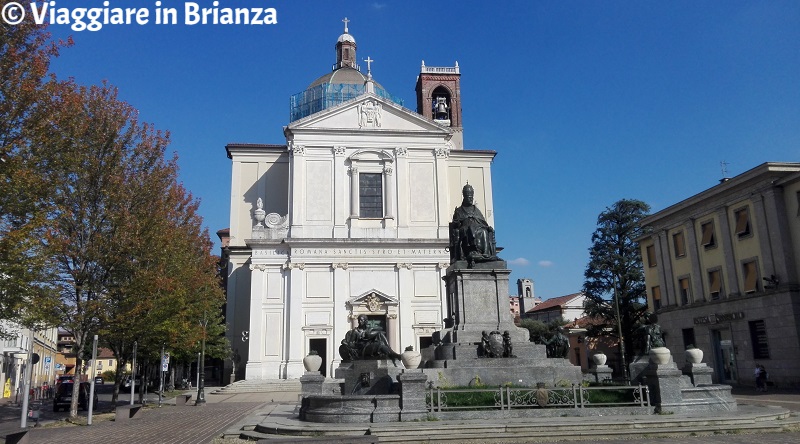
x=439, y=98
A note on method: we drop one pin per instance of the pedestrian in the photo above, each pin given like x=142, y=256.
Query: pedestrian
x=761, y=378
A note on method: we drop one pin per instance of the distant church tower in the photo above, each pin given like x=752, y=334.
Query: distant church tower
x=439, y=98
x=527, y=300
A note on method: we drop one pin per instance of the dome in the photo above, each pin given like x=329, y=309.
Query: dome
x=342, y=76
x=346, y=38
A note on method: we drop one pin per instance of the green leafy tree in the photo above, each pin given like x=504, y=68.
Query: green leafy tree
x=25, y=54
x=614, y=273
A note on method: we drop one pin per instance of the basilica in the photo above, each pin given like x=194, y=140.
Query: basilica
x=349, y=217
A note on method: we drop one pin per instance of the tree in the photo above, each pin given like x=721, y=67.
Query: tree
x=540, y=331
x=25, y=54
x=614, y=274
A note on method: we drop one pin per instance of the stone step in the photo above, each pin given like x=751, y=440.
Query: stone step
x=260, y=386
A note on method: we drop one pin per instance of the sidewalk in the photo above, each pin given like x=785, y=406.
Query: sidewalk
x=188, y=424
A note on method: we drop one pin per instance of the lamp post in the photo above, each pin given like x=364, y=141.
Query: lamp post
x=201, y=396
x=619, y=330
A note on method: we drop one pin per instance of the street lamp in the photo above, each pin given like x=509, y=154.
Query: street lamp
x=201, y=396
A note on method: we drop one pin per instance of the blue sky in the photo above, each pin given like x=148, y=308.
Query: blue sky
x=586, y=102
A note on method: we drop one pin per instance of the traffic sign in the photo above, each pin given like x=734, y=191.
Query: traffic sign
x=165, y=362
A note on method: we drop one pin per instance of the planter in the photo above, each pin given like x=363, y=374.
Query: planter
x=694, y=355
x=411, y=359
x=659, y=355
x=312, y=363
x=599, y=359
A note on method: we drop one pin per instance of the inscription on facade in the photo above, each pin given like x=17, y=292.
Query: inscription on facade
x=349, y=252
x=717, y=318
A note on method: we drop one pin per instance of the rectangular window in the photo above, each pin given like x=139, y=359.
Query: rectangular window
x=709, y=240
x=651, y=256
x=688, y=337
x=742, y=222
x=750, y=272
x=370, y=195
x=656, y=291
x=715, y=284
x=110, y=362
x=683, y=287
x=758, y=337
x=679, y=244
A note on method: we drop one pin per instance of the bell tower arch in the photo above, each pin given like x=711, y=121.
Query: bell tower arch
x=439, y=98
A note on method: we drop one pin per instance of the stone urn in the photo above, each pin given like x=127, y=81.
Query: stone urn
x=312, y=362
x=599, y=358
x=411, y=358
x=659, y=355
x=694, y=355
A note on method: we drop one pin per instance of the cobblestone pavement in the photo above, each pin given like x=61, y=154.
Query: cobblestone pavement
x=168, y=424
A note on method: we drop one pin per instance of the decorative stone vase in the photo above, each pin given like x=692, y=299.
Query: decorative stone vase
x=599, y=358
x=411, y=358
x=659, y=355
x=312, y=362
x=694, y=355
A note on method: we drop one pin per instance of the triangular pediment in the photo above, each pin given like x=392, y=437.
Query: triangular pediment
x=373, y=296
x=369, y=113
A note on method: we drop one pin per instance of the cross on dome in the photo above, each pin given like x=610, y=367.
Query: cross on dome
x=346, y=21
x=369, y=65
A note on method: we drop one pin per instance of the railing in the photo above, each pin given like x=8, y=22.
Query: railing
x=439, y=69
x=507, y=398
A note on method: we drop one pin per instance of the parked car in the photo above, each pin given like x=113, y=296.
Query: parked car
x=65, y=378
x=127, y=381
x=99, y=380
x=63, y=396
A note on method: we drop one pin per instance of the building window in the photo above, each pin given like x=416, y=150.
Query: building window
x=110, y=362
x=715, y=284
x=742, y=222
x=688, y=338
x=683, y=287
x=709, y=240
x=370, y=195
x=656, y=291
x=758, y=337
x=750, y=271
x=679, y=244
x=651, y=256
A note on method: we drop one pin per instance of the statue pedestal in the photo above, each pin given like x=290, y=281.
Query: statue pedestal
x=311, y=383
x=700, y=374
x=664, y=382
x=602, y=373
x=369, y=377
x=478, y=301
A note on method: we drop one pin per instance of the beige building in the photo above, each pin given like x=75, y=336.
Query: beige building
x=722, y=270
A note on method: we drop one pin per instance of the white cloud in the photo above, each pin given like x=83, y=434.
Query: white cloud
x=545, y=263
x=377, y=5
x=519, y=261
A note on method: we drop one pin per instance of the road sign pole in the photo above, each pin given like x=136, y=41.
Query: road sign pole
x=91, y=387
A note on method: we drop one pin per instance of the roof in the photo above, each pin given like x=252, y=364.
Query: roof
x=555, y=302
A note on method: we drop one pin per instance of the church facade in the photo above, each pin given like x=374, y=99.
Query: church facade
x=350, y=217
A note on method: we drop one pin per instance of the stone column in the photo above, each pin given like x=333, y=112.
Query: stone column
x=294, y=347
x=253, y=368
x=405, y=280
x=341, y=210
x=665, y=277
x=389, y=195
x=298, y=188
